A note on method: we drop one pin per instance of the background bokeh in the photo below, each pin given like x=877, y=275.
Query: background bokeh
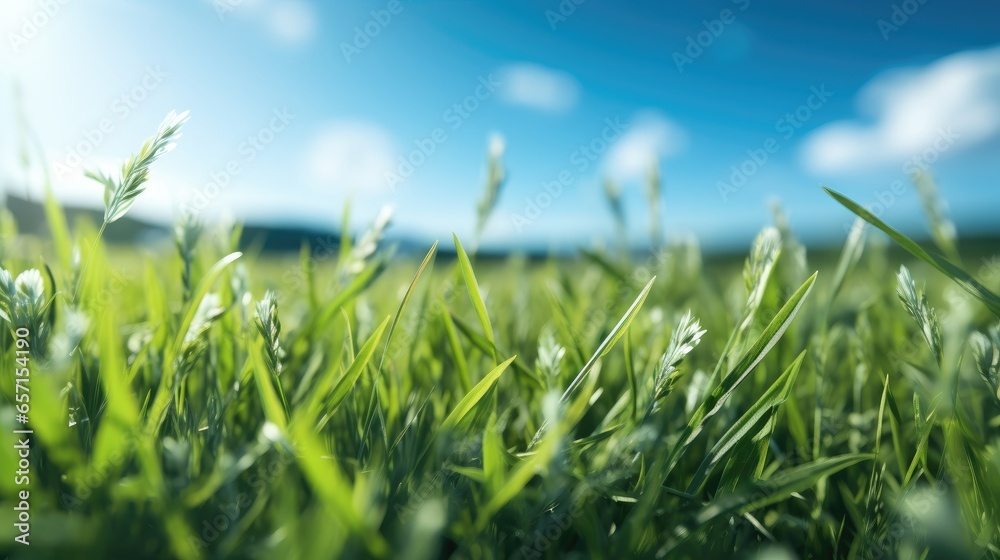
x=298, y=106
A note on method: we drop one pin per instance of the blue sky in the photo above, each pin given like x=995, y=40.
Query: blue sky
x=298, y=106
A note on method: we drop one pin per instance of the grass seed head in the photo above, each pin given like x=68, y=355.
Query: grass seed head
x=915, y=303
x=269, y=328
x=942, y=228
x=613, y=196
x=685, y=337
x=654, y=194
x=366, y=246
x=986, y=350
x=195, y=339
x=550, y=354
x=186, y=235
x=74, y=327
x=120, y=194
x=7, y=291
x=495, y=177
x=757, y=269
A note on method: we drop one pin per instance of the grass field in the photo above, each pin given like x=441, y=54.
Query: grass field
x=199, y=402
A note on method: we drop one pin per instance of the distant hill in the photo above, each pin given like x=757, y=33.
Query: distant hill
x=30, y=215
x=271, y=238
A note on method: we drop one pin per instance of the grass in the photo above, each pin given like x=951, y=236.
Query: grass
x=202, y=402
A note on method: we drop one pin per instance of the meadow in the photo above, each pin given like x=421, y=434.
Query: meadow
x=205, y=401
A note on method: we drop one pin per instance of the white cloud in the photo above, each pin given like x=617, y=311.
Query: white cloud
x=353, y=155
x=910, y=109
x=292, y=21
x=649, y=137
x=538, y=87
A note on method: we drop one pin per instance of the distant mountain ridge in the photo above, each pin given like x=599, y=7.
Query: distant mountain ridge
x=270, y=238
x=30, y=216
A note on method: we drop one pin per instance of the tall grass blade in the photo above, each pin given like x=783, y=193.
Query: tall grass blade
x=753, y=356
x=474, y=294
x=959, y=276
x=749, y=424
x=764, y=493
x=469, y=402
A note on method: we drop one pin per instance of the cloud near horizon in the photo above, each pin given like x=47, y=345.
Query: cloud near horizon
x=909, y=110
x=537, y=87
x=650, y=136
x=351, y=156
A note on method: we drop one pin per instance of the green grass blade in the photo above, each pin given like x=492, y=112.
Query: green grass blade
x=461, y=365
x=609, y=342
x=309, y=271
x=204, y=286
x=616, y=333
x=48, y=420
x=959, y=276
x=622, y=276
x=633, y=385
x=748, y=424
x=356, y=287
x=474, y=294
x=753, y=356
x=164, y=394
x=762, y=494
x=333, y=487
x=271, y=402
x=122, y=412
x=388, y=340
x=406, y=298
x=522, y=474
x=58, y=228
x=486, y=347
x=357, y=367
x=470, y=400
x=849, y=257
